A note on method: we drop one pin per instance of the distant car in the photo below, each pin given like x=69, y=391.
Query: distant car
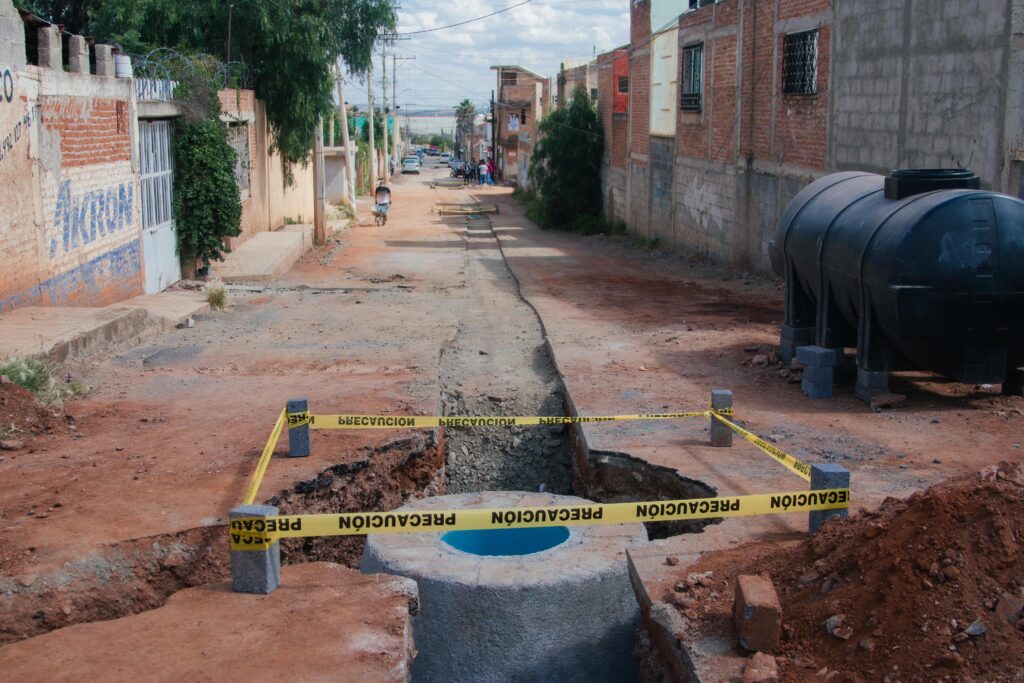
x=432, y=152
x=445, y=157
x=410, y=165
x=456, y=164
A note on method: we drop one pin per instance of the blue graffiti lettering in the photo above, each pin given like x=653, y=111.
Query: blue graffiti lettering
x=80, y=220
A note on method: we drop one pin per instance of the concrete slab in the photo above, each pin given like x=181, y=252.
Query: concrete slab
x=265, y=256
x=168, y=308
x=362, y=632
x=67, y=332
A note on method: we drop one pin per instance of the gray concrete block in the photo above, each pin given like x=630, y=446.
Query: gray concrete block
x=827, y=476
x=104, y=61
x=818, y=356
x=870, y=383
x=78, y=55
x=51, y=53
x=255, y=571
x=298, y=437
x=819, y=375
x=721, y=435
x=790, y=338
x=816, y=389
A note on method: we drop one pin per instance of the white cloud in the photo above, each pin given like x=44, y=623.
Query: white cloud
x=454, y=63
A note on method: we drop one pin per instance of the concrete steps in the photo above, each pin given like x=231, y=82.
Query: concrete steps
x=265, y=256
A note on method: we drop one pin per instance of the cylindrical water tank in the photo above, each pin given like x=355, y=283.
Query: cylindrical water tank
x=551, y=604
x=915, y=274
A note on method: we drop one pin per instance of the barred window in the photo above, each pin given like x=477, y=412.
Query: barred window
x=623, y=84
x=238, y=138
x=800, y=63
x=693, y=68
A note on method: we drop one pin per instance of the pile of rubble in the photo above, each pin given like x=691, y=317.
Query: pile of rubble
x=926, y=588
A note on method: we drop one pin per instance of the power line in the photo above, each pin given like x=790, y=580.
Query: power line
x=462, y=23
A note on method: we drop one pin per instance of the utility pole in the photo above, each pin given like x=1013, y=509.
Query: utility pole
x=494, y=126
x=319, y=208
x=373, y=148
x=394, y=97
x=350, y=162
x=384, y=66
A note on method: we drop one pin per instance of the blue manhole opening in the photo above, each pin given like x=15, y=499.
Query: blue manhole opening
x=506, y=541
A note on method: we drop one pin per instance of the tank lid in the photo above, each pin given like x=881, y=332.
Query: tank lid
x=906, y=182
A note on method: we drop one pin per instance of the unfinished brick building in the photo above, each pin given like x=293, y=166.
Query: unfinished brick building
x=734, y=105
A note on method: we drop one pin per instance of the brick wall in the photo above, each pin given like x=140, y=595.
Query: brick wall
x=70, y=230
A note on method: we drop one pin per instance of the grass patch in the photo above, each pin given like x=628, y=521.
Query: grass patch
x=41, y=376
x=216, y=295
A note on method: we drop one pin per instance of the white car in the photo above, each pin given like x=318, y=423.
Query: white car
x=445, y=157
x=410, y=165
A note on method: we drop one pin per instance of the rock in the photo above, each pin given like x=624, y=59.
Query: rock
x=759, y=360
x=495, y=399
x=950, y=660
x=761, y=668
x=173, y=560
x=1009, y=608
x=835, y=627
x=951, y=572
x=795, y=364
x=484, y=353
x=960, y=637
x=808, y=577
x=976, y=629
x=682, y=601
x=11, y=445
x=887, y=401
x=867, y=645
x=671, y=560
x=66, y=610
x=757, y=613
x=26, y=580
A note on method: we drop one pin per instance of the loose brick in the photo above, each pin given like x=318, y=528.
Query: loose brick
x=757, y=613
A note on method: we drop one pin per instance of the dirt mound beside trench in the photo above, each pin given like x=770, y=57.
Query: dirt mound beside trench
x=21, y=413
x=927, y=588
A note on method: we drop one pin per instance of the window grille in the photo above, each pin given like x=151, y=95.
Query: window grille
x=800, y=63
x=693, y=68
x=508, y=77
x=623, y=84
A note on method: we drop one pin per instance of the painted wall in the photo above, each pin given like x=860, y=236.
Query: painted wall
x=70, y=230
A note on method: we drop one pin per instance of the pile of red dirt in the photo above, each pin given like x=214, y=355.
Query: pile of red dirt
x=927, y=588
x=22, y=413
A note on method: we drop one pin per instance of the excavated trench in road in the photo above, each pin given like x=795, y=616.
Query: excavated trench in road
x=497, y=363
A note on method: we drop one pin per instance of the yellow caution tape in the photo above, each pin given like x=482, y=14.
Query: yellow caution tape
x=798, y=467
x=261, y=465
x=258, y=533
x=410, y=421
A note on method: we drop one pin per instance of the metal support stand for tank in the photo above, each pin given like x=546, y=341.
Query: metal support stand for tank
x=819, y=369
x=798, y=327
x=827, y=476
x=721, y=435
x=298, y=437
x=255, y=571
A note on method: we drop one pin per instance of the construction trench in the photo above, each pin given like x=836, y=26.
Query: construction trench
x=492, y=352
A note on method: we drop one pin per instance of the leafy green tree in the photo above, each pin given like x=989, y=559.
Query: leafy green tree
x=565, y=168
x=288, y=45
x=465, y=115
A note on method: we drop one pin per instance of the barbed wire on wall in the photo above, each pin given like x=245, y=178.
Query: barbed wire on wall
x=158, y=72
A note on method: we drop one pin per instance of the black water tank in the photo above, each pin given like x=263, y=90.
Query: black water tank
x=913, y=273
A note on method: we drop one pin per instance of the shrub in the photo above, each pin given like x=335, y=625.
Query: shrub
x=216, y=295
x=41, y=376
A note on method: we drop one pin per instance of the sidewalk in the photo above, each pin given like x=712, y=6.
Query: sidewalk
x=65, y=333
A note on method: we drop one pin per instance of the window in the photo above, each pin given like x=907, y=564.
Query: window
x=238, y=138
x=508, y=77
x=522, y=117
x=800, y=63
x=593, y=94
x=623, y=84
x=693, y=69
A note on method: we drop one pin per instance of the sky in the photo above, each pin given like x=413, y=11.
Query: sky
x=454, y=63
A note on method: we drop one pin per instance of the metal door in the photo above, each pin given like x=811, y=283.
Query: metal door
x=159, y=236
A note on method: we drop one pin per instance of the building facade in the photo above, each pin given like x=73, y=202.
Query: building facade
x=735, y=105
x=520, y=103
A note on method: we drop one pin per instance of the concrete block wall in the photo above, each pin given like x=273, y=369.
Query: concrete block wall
x=70, y=231
x=238, y=108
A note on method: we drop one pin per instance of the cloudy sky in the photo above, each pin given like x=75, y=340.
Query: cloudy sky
x=454, y=63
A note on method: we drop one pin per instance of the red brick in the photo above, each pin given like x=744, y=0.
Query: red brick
x=757, y=613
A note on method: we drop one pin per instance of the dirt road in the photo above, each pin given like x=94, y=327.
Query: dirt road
x=128, y=508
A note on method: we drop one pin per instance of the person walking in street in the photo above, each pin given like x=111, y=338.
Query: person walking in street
x=482, y=172
x=490, y=172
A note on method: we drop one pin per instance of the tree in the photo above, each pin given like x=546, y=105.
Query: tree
x=465, y=115
x=288, y=45
x=565, y=168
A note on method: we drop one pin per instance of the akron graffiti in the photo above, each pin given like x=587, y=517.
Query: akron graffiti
x=81, y=220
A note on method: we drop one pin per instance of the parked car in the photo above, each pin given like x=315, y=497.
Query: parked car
x=445, y=157
x=410, y=165
x=456, y=164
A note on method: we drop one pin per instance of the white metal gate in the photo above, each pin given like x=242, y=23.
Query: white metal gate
x=159, y=237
